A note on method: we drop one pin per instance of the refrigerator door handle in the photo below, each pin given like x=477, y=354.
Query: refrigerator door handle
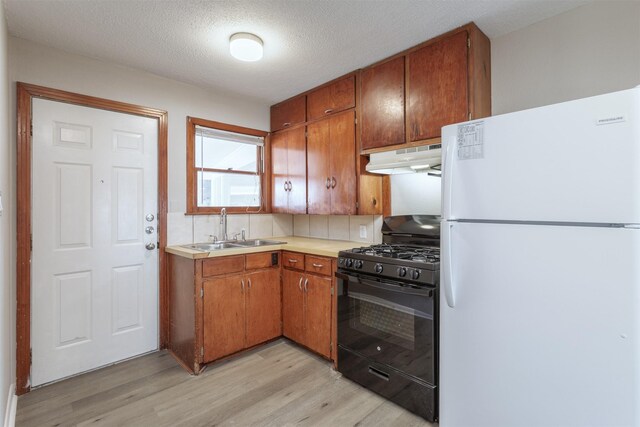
x=447, y=267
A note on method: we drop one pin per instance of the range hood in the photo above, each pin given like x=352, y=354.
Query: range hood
x=426, y=158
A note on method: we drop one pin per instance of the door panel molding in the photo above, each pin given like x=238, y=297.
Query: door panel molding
x=25, y=94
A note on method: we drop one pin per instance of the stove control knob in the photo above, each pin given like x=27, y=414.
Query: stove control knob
x=359, y=264
x=341, y=261
x=415, y=274
x=349, y=262
x=402, y=271
x=378, y=268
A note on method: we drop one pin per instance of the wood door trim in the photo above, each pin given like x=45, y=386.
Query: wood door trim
x=25, y=94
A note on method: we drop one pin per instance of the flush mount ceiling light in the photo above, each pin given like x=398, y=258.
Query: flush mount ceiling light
x=245, y=47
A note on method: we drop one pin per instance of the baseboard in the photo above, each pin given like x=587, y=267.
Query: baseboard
x=12, y=404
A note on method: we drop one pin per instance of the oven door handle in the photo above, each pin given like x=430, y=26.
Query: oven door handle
x=386, y=286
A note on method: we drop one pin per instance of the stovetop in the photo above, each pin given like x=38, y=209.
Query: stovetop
x=399, y=262
x=412, y=253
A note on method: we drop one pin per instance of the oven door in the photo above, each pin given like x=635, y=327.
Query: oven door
x=389, y=322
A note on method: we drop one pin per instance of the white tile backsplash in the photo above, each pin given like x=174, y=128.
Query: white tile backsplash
x=179, y=228
x=282, y=224
x=319, y=226
x=260, y=226
x=301, y=225
x=183, y=229
x=338, y=227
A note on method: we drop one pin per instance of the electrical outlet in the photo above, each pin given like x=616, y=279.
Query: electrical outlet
x=363, y=231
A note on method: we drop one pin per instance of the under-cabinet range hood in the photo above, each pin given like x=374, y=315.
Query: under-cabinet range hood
x=426, y=158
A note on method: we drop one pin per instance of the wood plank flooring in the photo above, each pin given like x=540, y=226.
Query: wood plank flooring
x=275, y=385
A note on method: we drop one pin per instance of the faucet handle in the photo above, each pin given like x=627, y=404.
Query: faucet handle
x=243, y=236
x=235, y=236
x=215, y=238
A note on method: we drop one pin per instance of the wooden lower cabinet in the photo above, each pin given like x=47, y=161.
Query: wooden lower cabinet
x=240, y=311
x=263, y=307
x=307, y=309
x=223, y=317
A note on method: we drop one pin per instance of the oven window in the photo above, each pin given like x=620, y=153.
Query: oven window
x=392, y=322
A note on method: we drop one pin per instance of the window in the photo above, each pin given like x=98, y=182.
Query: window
x=225, y=167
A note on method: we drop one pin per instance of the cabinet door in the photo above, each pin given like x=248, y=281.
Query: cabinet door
x=224, y=322
x=288, y=113
x=297, y=166
x=342, y=134
x=317, y=320
x=332, y=98
x=263, y=308
x=437, y=87
x=279, y=172
x=318, y=168
x=292, y=305
x=382, y=104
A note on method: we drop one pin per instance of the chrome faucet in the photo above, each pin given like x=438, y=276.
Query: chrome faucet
x=223, y=221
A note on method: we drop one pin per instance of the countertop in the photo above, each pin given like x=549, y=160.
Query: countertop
x=322, y=247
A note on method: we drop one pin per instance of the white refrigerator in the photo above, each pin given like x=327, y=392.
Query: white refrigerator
x=540, y=271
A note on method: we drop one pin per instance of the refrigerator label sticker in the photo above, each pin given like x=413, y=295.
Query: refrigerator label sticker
x=470, y=141
x=610, y=120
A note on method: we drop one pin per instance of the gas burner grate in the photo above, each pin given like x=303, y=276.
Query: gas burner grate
x=413, y=253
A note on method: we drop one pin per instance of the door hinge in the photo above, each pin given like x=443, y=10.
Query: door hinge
x=357, y=205
x=31, y=128
x=202, y=351
x=332, y=290
x=30, y=357
x=355, y=120
x=31, y=242
x=468, y=42
x=201, y=292
x=469, y=115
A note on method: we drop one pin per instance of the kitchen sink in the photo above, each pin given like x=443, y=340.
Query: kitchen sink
x=208, y=247
x=257, y=242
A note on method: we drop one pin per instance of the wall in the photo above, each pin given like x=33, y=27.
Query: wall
x=590, y=50
x=7, y=348
x=407, y=200
x=339, y=227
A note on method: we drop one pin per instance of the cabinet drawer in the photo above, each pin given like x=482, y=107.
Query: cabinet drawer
x=261, y=260
x=332, y=98
x=293, y=260
x=222, y=265
x=316, y=264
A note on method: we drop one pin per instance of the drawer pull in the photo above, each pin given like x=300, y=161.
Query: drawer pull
x=328, y=110
x=286, y=124
x=293, y=261
x=378, y=373
x=318, y=265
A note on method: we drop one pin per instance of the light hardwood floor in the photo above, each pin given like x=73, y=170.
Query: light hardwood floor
x=275, y=385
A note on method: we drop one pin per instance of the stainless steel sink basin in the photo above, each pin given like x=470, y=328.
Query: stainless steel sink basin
x=257, y=242
x=208, y=247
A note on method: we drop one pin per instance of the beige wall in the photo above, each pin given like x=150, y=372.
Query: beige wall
x=6, y=291
x=590, y=50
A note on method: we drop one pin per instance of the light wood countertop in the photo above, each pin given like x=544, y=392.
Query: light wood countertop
x=307, y=245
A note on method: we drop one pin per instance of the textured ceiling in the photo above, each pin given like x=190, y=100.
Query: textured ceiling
x=306, y=42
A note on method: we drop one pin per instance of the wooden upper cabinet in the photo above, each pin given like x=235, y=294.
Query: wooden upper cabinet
x=332, y=98
x=382, y=104
x=289, y=171
x=331, y=165
x=288, y=113
x=437, y=87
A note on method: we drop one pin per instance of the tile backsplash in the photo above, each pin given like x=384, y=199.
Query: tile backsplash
x=184, y=229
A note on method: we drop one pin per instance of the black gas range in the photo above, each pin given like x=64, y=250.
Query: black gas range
x=388, y=313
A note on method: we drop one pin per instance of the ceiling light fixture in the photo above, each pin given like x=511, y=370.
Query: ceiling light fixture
x=245, y=47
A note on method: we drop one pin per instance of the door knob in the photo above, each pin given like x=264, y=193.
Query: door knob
x=150, y=246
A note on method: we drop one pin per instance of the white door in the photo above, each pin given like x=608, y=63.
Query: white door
x=94, y=289
x=540, y=326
